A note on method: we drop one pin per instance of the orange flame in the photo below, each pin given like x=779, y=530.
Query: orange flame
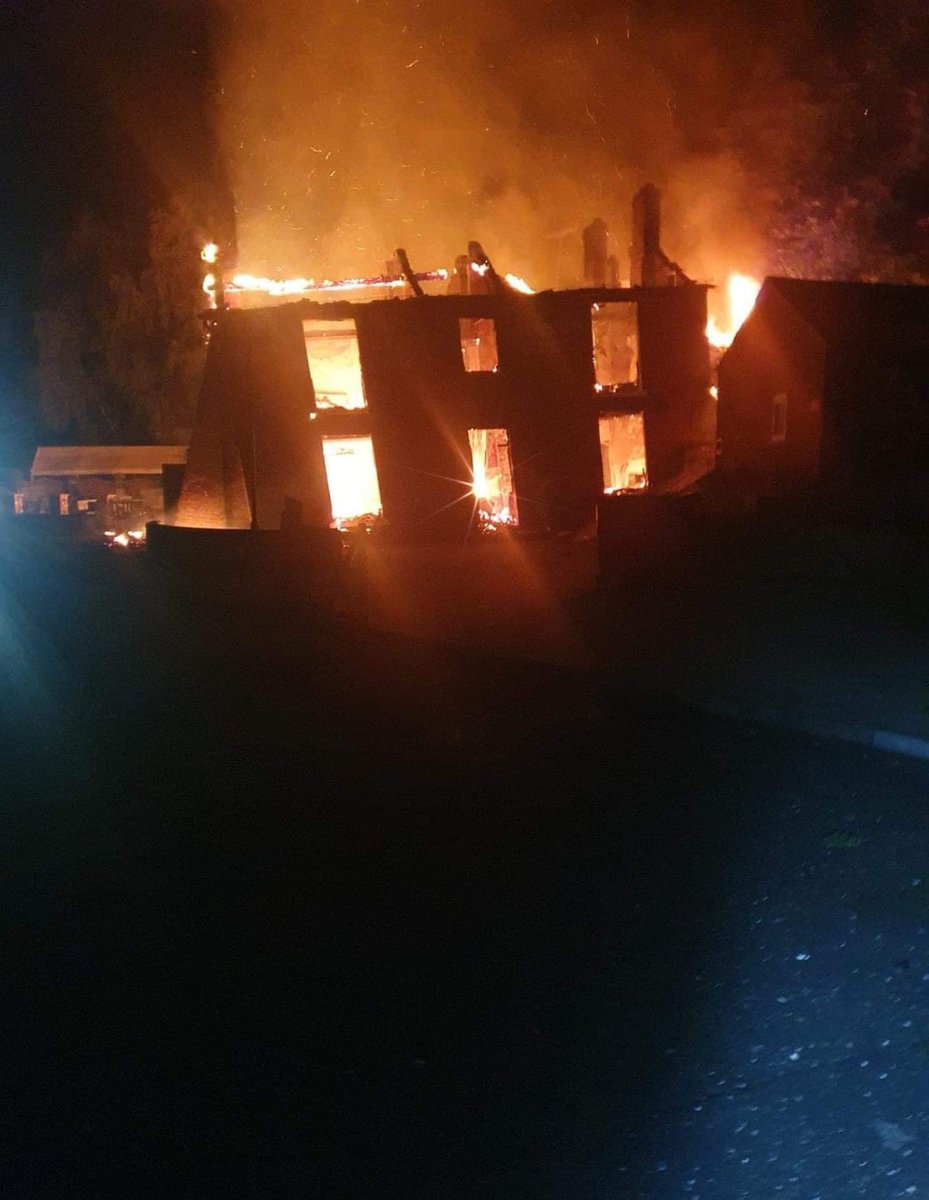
x=243, y=282
x=210, y=255
x=741, y=294
x=482, y=488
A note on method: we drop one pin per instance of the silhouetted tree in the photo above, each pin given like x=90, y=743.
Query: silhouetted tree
x=119, y=337
x=853, y=205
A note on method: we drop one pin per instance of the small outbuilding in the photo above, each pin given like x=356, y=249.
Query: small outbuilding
x=118, y=482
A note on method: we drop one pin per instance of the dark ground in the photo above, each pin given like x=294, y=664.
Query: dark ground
x=294, y=909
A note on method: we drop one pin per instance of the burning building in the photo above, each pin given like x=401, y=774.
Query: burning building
x=487, y=405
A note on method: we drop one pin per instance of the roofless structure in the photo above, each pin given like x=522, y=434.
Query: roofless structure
x=433, y=413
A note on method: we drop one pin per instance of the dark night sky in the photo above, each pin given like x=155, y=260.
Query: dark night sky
x=345, y=129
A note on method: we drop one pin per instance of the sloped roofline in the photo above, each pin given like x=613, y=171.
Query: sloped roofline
x=843, y=309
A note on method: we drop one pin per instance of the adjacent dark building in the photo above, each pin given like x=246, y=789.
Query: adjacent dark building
x=825, y=393
x=419, y=411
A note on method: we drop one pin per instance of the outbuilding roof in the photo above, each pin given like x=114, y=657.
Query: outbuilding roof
x=870, y=312
x=53, y=461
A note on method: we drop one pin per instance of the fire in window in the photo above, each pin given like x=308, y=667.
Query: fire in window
x=622, y=452
x=478, y=343
x=351, y=473
x=615, y=330
x=779, y=418
x=334, y=362
x=492, y=468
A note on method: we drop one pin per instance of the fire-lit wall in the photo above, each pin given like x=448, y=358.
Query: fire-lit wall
x=259, y=432
x=251, y=440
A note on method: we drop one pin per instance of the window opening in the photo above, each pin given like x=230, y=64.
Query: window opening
x=779, y=418
x=351, y=473
x=615, y=330
x=478, y=343
x=334, y=362
x=492, y=468
x=622, y=452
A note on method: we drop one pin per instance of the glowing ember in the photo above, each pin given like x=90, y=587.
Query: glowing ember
x=741, y=293
x=295, y=287
x=210, y=253
x=128, y=539
x=273, y=287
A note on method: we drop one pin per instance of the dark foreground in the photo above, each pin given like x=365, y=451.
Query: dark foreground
x=291, y=910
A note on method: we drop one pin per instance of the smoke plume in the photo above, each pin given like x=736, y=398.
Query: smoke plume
x=350, y=127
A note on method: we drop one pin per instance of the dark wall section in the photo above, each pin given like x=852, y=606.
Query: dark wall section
x=213, y=494
x=876, y=428
x=554, y=414
x=776, y=353
x=680, y=422
x=287, y=458
x=252, y=443
x=421, y=405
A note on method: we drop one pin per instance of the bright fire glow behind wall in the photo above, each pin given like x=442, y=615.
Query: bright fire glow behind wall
x=615, y=332
x=335, y=366
x=622, y=452
x=492, y=468
x=478, y=343
x=352, y=478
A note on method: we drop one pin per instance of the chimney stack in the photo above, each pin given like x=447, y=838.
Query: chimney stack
x=651, y=267
x=595, y=254
x=645, y=252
